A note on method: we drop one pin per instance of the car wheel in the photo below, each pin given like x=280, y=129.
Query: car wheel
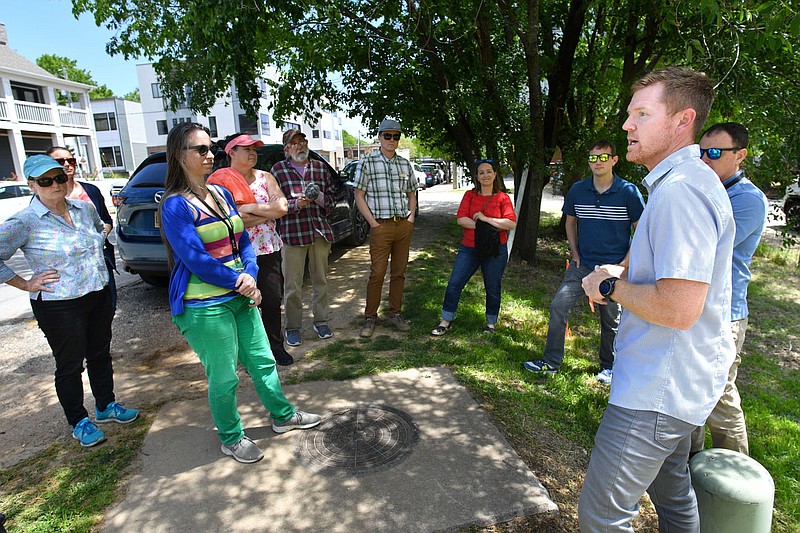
x=360, y=230
x=793, y=215
x=156, y=280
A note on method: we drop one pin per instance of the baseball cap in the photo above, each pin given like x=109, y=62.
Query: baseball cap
x=389, y=124
x=242, y=140
x=289, y=134
x=38, y=164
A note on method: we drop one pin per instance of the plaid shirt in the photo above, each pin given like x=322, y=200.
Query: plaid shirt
x=299, y=227
x=387, y=183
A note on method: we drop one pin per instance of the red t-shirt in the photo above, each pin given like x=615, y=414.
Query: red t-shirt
x=498, y=206
x=236, y=184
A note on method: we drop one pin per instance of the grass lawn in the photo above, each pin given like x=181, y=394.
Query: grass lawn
x=550, y=421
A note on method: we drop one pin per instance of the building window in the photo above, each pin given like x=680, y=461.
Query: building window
x=161, y=126
x=176, y=121
x=289, y=125
x=336, y=133
x=326, y=134
x=265, y=129
x=26, y=93
x=248, y=125
x=105, y=121
x=315, y=134
x=111, y=156
x=263, y=84
x=212, y=126
x=156, y=88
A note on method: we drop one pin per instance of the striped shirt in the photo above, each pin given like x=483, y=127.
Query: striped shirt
x=605, y=220
x=387, y=183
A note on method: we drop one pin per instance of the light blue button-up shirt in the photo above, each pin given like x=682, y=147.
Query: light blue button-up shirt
x=750, y=209
x=686, y=232
x=49, y=243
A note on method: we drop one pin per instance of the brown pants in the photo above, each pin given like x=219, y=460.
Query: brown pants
x=726, y=421
x=391, y=238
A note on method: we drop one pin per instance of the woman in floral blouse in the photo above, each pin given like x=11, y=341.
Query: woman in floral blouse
x=260, y=202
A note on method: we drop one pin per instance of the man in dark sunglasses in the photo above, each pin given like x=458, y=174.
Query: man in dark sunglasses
x=723, y=147
x=601, y=213
x=385, y=191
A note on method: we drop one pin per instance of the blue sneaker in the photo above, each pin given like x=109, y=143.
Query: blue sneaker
x=115, y=412
x=293, y=337
x=323, y=331
x=539, y=366
x=605, y=376
x=87, y=433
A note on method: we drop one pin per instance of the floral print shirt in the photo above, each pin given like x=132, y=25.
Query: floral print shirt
x=265, y=236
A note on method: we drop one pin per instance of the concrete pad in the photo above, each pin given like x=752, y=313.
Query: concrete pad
x=462, y=471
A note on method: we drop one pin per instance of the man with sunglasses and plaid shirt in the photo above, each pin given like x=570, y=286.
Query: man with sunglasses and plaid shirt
x=385, y=194
x=601, y=212
x=723, y=147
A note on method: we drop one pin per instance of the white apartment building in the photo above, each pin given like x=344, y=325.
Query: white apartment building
x=121, y=138
x=227, y=117
x=31, y=119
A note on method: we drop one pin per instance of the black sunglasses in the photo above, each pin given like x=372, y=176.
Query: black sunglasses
x=716, y=153
x=63, y=160
x=391, y=136
x=203, y=149
x=48, y=182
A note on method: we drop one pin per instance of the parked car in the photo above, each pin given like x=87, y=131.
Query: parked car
x=791, y=204
x=139, y=235
x=14, y=197
x=421, y=176
x=438, y=173
x=349, y=173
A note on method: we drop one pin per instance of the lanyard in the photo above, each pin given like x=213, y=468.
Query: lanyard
x=224, y=218
x=737, y=178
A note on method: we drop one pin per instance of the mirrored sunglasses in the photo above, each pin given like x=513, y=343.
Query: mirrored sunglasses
x=599, y=157
x=716, y=153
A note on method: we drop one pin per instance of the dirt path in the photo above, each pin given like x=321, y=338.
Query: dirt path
x=152, y=362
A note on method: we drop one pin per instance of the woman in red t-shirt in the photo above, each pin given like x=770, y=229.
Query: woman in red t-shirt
x=486, y=202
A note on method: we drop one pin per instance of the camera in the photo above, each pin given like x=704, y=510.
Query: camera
x=312, y=191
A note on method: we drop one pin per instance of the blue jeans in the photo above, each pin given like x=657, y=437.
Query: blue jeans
x=634, y=452
x=568, y=295
x=467, y=263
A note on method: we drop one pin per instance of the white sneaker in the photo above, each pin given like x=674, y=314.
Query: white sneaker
x=605, y=376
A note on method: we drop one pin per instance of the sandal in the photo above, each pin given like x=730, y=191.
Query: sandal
x=440, y=330
x=488, y=329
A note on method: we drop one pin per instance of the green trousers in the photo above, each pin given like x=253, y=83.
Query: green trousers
x=222, y=335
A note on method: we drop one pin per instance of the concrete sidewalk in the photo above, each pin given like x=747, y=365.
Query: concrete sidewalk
x=460, y=472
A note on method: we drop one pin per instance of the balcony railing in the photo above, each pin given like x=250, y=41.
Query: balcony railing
x=48, y=115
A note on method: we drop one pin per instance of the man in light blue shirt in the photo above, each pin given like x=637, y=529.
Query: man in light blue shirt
x=723, y=148
x=673, y=349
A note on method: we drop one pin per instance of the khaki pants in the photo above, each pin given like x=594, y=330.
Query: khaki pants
x=391, y=238
x=726, y=421
x=294, y=265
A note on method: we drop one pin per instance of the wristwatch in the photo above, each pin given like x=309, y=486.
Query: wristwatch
x=607, y=288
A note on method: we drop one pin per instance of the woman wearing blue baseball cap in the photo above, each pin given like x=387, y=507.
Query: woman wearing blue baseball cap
x=62, y=241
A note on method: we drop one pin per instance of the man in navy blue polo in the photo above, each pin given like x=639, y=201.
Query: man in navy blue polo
x=602, y=212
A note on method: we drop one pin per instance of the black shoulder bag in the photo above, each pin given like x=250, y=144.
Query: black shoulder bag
x=487, y=237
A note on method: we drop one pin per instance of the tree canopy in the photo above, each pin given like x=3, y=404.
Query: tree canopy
x=67, y=69
x=508, y=80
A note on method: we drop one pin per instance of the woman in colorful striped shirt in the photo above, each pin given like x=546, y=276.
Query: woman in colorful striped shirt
x=213, y=293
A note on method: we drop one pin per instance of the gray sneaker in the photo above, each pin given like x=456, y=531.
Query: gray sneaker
x=398, y=322
x=299, y=420
x=244, y=451
x=369, y=327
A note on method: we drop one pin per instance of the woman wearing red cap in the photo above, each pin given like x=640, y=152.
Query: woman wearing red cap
x=260, y=202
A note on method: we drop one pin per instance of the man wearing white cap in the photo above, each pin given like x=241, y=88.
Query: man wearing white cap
x=306, y=232
x=385, y=188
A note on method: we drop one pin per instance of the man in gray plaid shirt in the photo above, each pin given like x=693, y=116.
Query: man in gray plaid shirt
x=385, y=191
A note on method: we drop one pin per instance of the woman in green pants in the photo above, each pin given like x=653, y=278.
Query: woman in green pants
x=213, y=294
